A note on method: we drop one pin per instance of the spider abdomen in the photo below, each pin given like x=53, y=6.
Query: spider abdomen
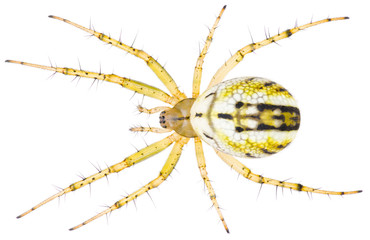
x=246, y=117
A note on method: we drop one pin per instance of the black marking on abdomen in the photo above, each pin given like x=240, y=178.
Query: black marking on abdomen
x=283, y=90
x=267, y=151
x=209, y=95
x=283, y=127
x=281, y=117
x=239, y=104
x=262, y=106
x=206, y=135
x=198, y=114
x=269, y=84
x=225, y=116
x=295, y=118
x=249, y=155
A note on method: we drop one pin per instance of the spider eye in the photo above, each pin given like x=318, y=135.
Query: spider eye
x=178, y=118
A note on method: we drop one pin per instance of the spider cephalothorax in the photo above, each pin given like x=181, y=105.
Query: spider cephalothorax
x=244, y=117
x=178, y=118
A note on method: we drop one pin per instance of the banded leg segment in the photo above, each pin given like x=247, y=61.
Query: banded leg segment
x=133, y=85
x=164, y=173
x=247, y=173
x=127, y=162
x=198, y=67
x=203, y=172
x=239, y=55
x=161, y=73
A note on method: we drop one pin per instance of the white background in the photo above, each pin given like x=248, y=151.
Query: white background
x=52, y=128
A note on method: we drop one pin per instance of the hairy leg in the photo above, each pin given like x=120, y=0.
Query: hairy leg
x=203, y=172
x=152, y=110
x=165, y=172
x=198, y=67
x=150, y=129
x=239, y=55
x=133, y=85
x=247, y=173
x=127, y=162
x=158, y=69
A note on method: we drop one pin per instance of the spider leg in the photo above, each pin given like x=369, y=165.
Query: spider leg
x=142, y=109
x=152, y=110
x=133, y=85
x=158, y=69
x=204, y=174
x=127, y=162
x=150, y=129
x=247, y=173
x=198, y=67
x=164, y=173
x=239, y=55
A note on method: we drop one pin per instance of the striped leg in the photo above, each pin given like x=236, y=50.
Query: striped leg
x=203, y=172
x=127, y=162
x=161, y=73
x=165, y=172
x=247, y=173
x=133, y=85
x=239, y=55
x=198, y=67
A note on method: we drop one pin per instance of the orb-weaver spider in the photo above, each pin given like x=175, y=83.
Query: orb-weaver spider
x=244, y=117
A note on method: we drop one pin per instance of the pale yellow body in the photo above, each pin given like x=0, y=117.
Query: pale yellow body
x=230, y=146
x=246, y=117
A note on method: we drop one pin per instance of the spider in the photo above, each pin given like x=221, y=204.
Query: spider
x=241, y=117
